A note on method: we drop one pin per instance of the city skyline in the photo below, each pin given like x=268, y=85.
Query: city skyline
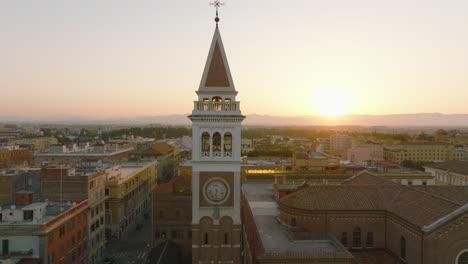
x=122, y=59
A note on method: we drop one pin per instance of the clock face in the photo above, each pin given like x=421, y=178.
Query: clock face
x=216, y=191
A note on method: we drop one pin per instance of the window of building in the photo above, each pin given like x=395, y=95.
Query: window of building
x=463, y=258
x=28, y=215
x=51, y=257
x=160, y=234
x=91, y=184
x=344, y=239
x=370, y=239
x=403, y=248
x=205, y=241
x=357, y=237
x=226, y=238
x=62, y=231
x=51, y=238
x=293, y=221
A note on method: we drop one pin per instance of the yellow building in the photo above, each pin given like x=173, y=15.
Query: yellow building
x=312, y=162
x=41, y=143
x=129, y=187
x=452, y=172
x=425, y=152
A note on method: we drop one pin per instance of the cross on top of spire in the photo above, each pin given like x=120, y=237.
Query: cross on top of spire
x=217, y=4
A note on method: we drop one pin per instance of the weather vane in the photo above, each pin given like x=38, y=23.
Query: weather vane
x=217, y=4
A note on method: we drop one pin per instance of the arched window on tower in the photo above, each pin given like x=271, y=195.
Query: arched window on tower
x=226, y=239
x=206, y=103
x=228, y=144
x=217, y=103
x=357, y=237
x=216, y=144
x=205, y=241
x=205, y=144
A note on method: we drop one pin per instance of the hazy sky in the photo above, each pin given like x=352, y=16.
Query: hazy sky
x=107, y=58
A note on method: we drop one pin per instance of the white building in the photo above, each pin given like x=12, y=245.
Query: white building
x=340, y=143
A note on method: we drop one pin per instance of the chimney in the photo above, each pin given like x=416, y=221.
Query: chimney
x=23, y=197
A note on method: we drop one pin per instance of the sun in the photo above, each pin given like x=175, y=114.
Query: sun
x=331, y=102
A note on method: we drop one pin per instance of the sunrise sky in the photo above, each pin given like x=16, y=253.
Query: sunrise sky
x=122, y=58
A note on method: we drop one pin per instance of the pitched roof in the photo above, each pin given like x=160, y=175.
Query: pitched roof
x=366, y=191
x=458, y=194
x=452, y=165
x=182, y=182
x=366, y=178
x=160, y=148
x=420, y=208
x=341, y=197
x=216, y=74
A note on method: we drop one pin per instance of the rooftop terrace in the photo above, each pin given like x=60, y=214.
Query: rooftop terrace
x=276, y=239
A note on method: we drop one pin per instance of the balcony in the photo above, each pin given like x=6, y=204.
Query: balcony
x=210, y=107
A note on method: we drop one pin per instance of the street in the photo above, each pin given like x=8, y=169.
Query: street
x=132, y=249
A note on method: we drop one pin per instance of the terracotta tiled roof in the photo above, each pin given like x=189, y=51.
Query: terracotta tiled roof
x=365, y=178
x=420, y=208
x=458, y=194
x=412, y=204
x=160, y=148
x=182, y=182
x=217, y=74
x=342, y=197
x=453, y=165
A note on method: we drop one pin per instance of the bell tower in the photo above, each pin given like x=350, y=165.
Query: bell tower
x=216, y=160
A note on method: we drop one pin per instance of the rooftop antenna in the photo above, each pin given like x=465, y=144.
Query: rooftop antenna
x=217, y=4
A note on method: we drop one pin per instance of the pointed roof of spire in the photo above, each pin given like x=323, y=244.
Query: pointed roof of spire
x=216, y=76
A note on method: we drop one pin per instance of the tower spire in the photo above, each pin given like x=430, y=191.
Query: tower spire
x=217, y=4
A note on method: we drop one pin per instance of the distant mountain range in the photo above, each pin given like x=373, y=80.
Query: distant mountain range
x=422, y=119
